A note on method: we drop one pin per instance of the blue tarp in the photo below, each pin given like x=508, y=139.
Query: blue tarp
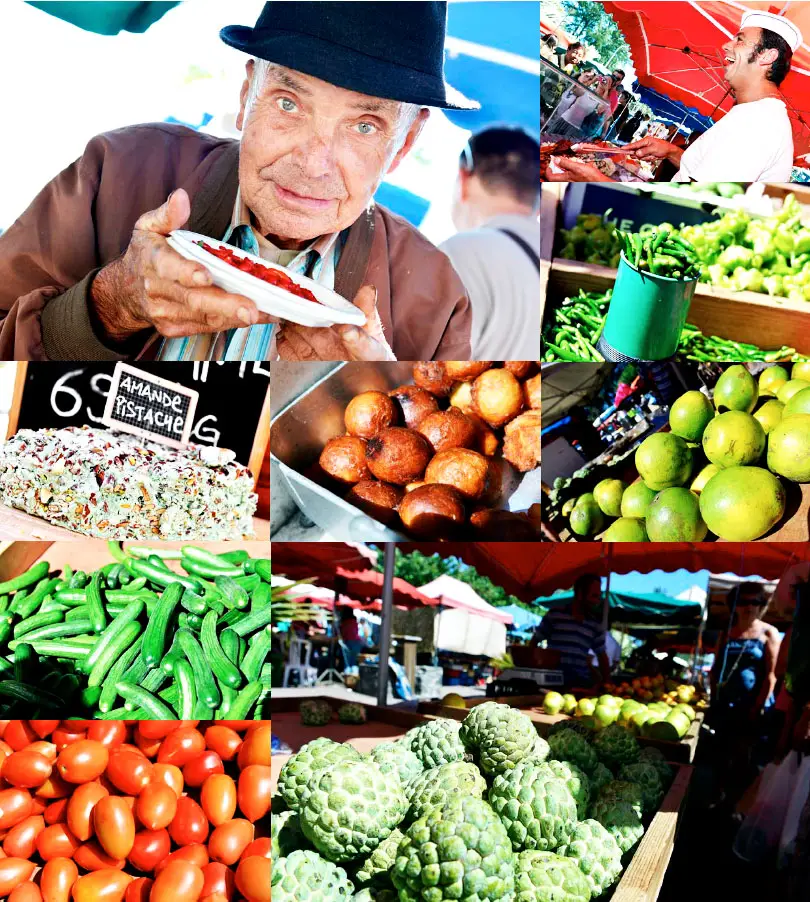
x=672, y=110
x=523, y=620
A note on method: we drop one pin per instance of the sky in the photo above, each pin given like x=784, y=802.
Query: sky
x=671, y=584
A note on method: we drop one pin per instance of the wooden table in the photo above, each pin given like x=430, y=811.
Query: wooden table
x=409, y=646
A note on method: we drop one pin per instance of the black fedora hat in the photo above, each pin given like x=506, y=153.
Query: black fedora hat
x=385, y=49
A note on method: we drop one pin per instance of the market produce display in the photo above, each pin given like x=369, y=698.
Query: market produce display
x=571, y=330
x=136, y=639
x=124, y=811
x=662, y=252
x=754, y=436
x=439, y=457
x=513, y=819
x=114, y=485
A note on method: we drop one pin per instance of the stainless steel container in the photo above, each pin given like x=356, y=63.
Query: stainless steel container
x=301, y=429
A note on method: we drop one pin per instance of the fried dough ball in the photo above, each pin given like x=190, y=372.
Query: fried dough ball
x=398, y=455
x=461, y=397
x=432, y=376
x=433, y=511
x=497, y=397
x=368, y=413
x=504, y=526
x=531, y=389
x=414, y=485
x=377, y=499
x=344, y=458
x=466, y=370
x=495, y=480
x=414, y=404
x=520, y=369
x=486, y=442
x=466, y=470
x=447, y=429
x=521, y=446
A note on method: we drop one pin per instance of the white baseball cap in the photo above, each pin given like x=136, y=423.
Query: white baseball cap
x=779, y=24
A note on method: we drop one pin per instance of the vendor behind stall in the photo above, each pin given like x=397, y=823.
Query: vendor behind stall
x=576, y=631
x=335, y=96
x=753, y=142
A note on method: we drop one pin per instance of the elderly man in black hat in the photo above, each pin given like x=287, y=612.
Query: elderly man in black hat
x=335, y=96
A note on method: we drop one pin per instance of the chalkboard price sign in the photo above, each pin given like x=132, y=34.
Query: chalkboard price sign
x=147, y=405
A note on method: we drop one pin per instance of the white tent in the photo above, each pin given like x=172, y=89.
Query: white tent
x=467, y=623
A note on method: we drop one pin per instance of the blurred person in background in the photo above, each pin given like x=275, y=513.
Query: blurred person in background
x=570, y=58
x=548, y=46
x=349, y=630
x=497, y=248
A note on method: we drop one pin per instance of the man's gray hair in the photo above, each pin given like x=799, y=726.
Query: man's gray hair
x=408, y=112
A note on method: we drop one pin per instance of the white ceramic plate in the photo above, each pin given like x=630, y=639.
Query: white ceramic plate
x=270, y=299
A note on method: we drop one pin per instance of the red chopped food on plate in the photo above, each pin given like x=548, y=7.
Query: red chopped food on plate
x=272, y=276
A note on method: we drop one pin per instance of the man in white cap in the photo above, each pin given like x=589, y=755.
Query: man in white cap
x=753, y=142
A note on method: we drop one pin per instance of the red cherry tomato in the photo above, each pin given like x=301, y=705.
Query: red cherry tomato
x=82, y=761
x=218, y=798
x=54, y=788
x=25, y=892
x=139, y=890
x=43, y=728
x=57, y=841
x=107, y=732
x=18, y=734
x=159, y=729
x=56, y=812
x=180, y=746
x=15, y=806
x=171, y=775
x=217, y=879
x=26, y=768
x=80, y=809
x=156, y=806
x=196, y=853
x=91, y=857
x=66, y=735
x=150, y=848
x=178, y=880
x=253, y=879
x=223, y=740
x=149, y=747
x=14, y=871
x=129, y=770
x=46, y=749
x=57, y=879
x=21, y=840
x=260, y=847
x=256, y=747
x=228, y=841
x=202, y=766
x=114, y=826
x=102, y=886
x=189, y=824
x=254, y=791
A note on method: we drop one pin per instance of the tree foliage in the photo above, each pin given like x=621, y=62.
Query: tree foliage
x=591, y=25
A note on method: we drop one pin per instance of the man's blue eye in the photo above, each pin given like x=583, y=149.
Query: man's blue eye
x=366, y=128
x=286, y=104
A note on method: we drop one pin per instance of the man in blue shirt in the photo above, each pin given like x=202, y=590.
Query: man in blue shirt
x=575, y=632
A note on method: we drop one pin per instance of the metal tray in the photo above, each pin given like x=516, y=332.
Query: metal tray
x=301, y=429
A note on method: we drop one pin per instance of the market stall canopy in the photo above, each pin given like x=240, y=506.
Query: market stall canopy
x=107, y=18
x=672, y=110
x=367, y=585
x=675, y=48
x=300, y=560
x=453, y=593
x=491, y=56
x=567, y=385
x=629, y=607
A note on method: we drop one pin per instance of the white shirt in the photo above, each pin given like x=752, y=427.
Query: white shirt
x=502, y=285
x=753, y=142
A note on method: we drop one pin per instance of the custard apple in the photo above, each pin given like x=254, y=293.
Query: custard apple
x=651, y=755
x=624, y=791
x=458, y=852
x=351, y=712
x=597, y=854
x=438, y=785
x=315, y=712
x=306, y=877
x=499, y=736
x=536, y=807
x=436, y=742
x=616, y=746
x=351, y=808
x=298, y=771
x=645, y=776
x=566, y=745
x=379, y=863
x=396, y=757
x=621, y=820
x=578, y=784
x=600, y=776
x=546, y=877
x=285, y=834
x=574, y=724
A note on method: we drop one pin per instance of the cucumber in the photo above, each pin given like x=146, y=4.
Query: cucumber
x=223, y=669
x=205, y=684
x=143, y=699
x=98, y=616
x=114, y=649
x=130, y=613
x=154, y=640
x=258, y=650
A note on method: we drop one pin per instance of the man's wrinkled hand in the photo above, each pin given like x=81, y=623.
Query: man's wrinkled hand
x=575, y=171
x=152, y=287
x=341, y=342
x=650, y=149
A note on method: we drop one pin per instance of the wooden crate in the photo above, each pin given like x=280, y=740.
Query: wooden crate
x=683, y=751
x=737, y=315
